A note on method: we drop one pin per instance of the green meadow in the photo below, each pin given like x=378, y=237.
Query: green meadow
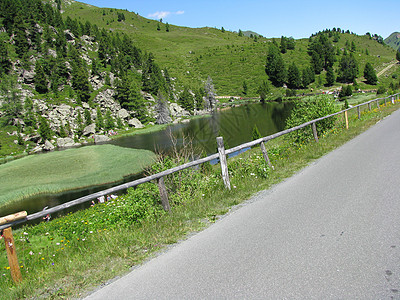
x=69, y=169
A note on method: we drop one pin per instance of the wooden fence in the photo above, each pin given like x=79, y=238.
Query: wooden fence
x=221, y=155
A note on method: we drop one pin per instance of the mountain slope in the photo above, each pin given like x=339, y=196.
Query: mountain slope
x=193, y=54
x=394, y=40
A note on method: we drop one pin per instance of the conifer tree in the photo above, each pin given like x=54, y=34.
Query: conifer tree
x=348, y=68
x=398, y=55
x=370, y=74
x=40, y=79
x=256, y=133
x=29, y=114
x=294, y=78
x=263, y=90
x=79, y=124
x=99, y=120
x=210, y=94
x=44, y=129
x=275, y=67
x=163, y=114
x=330, y=76
x=5, y=64
x=186, y=100
x=109, y=121
x=88, y=117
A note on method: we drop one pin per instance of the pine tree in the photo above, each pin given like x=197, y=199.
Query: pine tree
x=263, y=90
x=88, y=117
x=294, y=78
x=99, y=120
x=348, y=68
x=210, y=94
x=40, y=79
x=29, y=118
x=308, y=76
x=186, y=100
x=275, y=67
x=44, y=129
x=398, y=55
x=79, y=124
x=370, y=74
x=5, y=64
x=244, y=88
x=330, y=76
x=109, y=122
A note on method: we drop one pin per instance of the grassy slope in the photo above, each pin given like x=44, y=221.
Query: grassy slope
x=393, y=40
x=192, y=54
x=69, y=169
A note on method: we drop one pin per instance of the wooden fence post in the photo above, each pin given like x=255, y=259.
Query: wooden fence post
x=265, y=154
x=224, y=164
x=369, y=106
x=346, y=119
x=163, y=194
x=12, y=255
x=314, y=130
x=377, y=104
x=359, y=112
x=385, y=100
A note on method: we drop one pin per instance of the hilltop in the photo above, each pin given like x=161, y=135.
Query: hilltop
x=393, y=40
x=193, y=54
x=72, y=71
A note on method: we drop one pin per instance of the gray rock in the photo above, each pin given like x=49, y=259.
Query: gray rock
x=48, y=146
x=29, y=76
x=123, y=114
x=90, y=129
x=101, y=139
x=65, y=142
x=178, y=111
x=37, y=149
x=135, y=123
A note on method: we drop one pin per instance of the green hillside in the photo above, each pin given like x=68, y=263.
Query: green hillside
x=192, y=54
x=394, y=40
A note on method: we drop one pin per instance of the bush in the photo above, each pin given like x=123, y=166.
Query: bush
x=308, y=110
x=381, y=90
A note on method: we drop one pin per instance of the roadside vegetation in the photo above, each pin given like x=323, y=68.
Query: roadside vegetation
x=70, y=256
x=69, y=169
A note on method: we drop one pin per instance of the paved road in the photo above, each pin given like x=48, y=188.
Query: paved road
x=330, y=232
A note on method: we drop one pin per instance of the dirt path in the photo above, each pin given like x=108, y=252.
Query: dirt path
x=386, y=69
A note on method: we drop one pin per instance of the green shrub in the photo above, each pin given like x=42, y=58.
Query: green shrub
x=308, y=110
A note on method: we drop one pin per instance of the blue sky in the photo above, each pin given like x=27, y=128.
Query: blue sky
x=297, y=18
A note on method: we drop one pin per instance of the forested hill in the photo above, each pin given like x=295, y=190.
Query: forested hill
x=71, y=70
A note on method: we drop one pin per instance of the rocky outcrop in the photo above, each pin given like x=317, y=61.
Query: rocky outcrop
x=66, y=143
x=101, y=139
x=178, y=111
x=89, y=130
x=48, y=146
x=135, y=123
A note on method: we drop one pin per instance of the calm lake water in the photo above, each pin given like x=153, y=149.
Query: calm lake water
x=234, y=124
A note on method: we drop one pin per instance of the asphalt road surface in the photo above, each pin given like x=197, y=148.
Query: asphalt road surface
x=332, y=231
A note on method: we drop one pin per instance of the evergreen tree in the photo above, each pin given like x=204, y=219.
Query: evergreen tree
x=167, y=27
x=88, y=117
x=109, y=124
x=348, y=68
x=5, y=63
x=40, y=79
x=263, y=90
x=330, y=76
x=294, y=78
x=398, y=55
x=199, y=99
x=99, y=120
x=186, y=100
x=308, y=76
x=283, y=46
x=275, y=67
x=79, y=124
x=370, y=74
x=62, y=133
x=44, y=129
x=11, y=105
x=240, y=33
x=80, y=82
x=29, y=114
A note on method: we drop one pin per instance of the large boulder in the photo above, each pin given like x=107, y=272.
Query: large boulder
x=123, y=114
x=29, y=76
x=101, y=139
x=178, y=111
x=48, y=146
x=90, y=129
x=66, y=142
x=135, y=123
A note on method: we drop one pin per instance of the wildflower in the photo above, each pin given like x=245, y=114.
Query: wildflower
x=25, y=233
x=8, y=268
x=42, y=258
x=58, y=244
x=31, y=253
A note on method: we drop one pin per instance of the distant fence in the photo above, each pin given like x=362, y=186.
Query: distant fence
x=221, y=155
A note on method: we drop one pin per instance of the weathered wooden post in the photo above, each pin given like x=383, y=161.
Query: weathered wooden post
x=385, y=100
x=10, y=245
x=224, y=164
x=346, y=119
x=265, y=154
x=369, y=106
x=163, y=194
x=377, y=104
x=314, y=130
x=359, y=112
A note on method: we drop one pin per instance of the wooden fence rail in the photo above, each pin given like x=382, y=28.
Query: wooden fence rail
x=221, y=155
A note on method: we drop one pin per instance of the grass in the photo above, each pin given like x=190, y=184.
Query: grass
x=193, y=54
x=69, y=169
x=68, y=257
